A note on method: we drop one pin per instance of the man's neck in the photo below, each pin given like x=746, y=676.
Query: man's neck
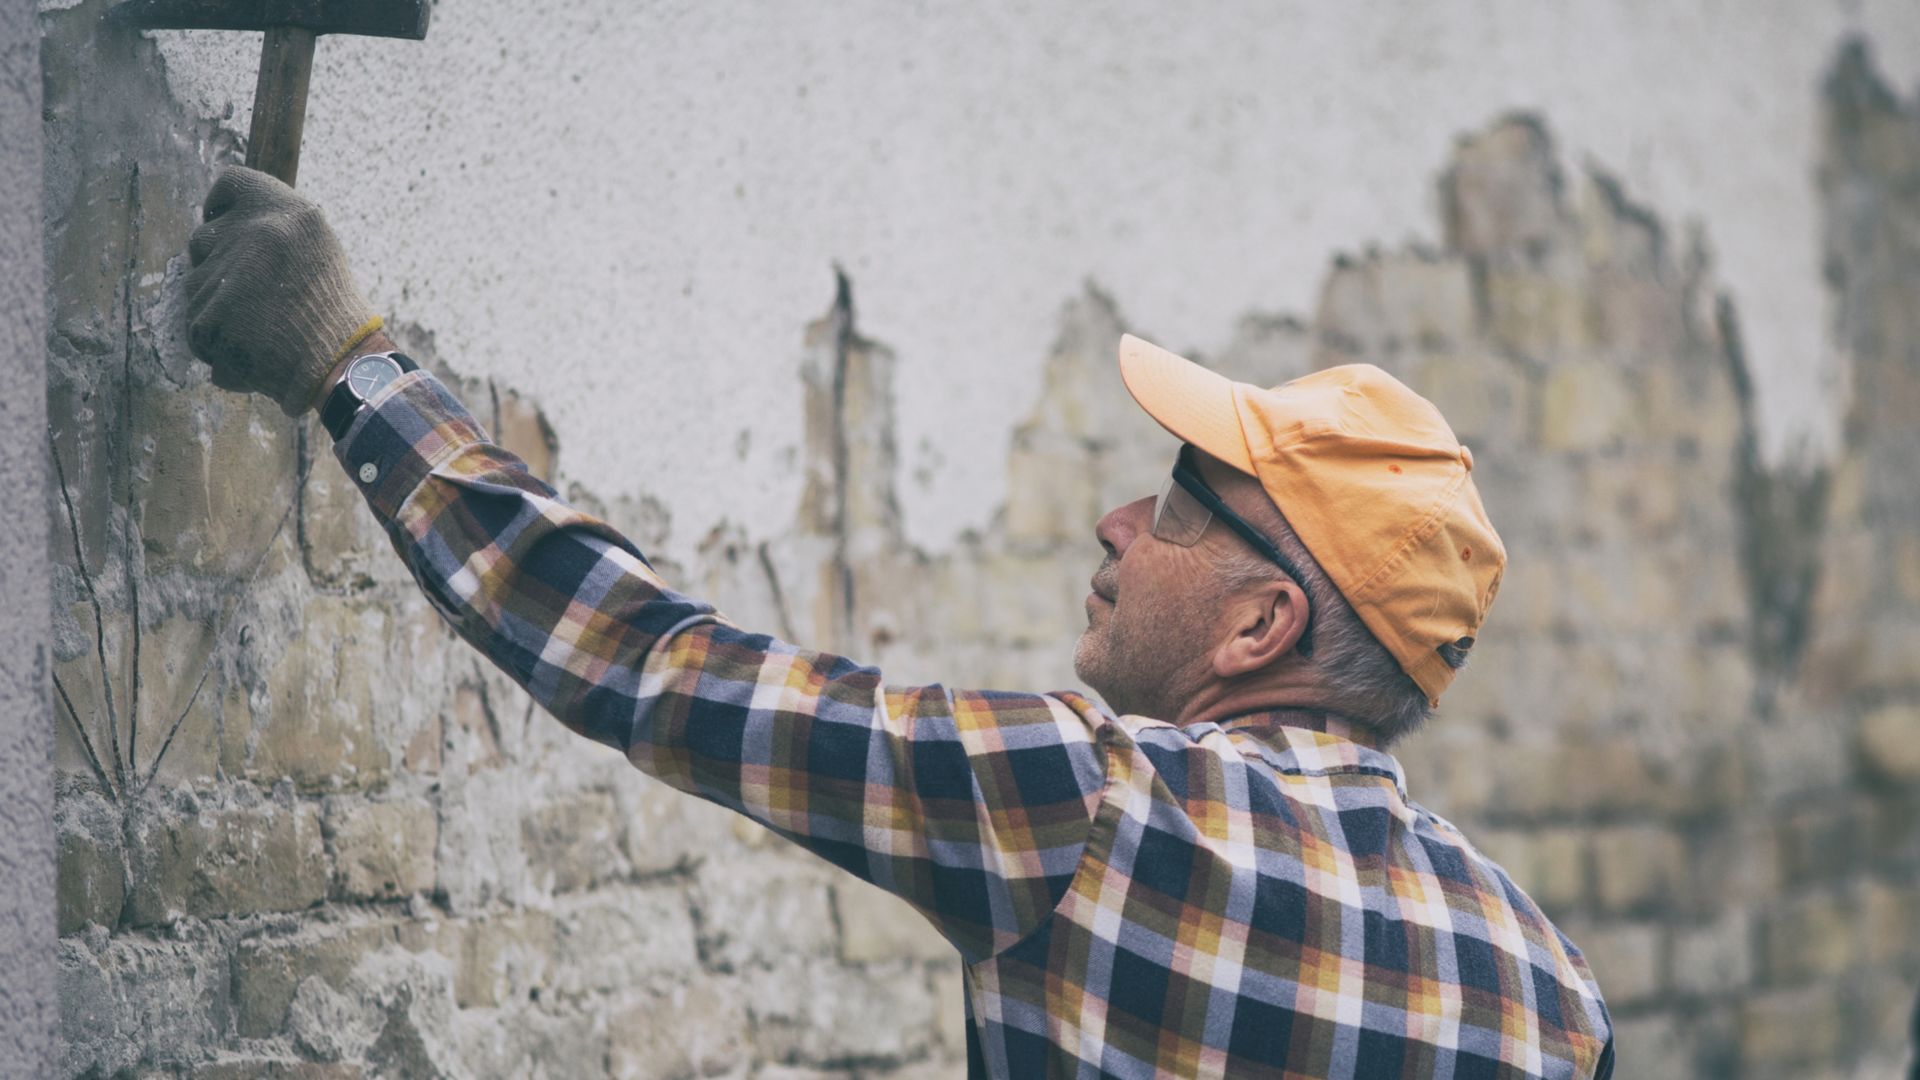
x=1295, y=702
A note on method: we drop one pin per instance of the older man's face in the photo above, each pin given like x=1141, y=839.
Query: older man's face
x=1153, y=616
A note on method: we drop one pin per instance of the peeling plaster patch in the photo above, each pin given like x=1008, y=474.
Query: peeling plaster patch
x=211, y=72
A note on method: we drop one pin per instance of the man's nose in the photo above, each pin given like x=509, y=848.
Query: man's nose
x=1123, y=524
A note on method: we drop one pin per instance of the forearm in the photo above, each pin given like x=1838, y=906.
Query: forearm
x=888, y=782
x=559, y=600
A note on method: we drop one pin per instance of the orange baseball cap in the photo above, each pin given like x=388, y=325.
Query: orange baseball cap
x=1370, y=477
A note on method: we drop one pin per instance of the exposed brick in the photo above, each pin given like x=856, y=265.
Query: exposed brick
x=1790, y=1027
x=875, y=926
x=1628, y=959
x=572, y=840
x=818, y=1014
x=695, y=1027
x=1716, y=958
x=235, y=859
x=763, y=911
x=1811, y=936
x=318, y=728
x=267, y=971
x=92, y=872
x=382, y=850
x=1889, y=743
x=1638, y=867
x=623, y=938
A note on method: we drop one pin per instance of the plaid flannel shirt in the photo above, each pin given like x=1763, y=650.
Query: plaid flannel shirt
x=1130, y=898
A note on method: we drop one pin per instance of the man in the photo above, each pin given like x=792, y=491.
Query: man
x=1225, y=879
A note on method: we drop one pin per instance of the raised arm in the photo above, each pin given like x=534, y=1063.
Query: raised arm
x=974, y=806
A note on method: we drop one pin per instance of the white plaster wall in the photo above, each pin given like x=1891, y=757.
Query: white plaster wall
x=629, y=209
x=27, y=992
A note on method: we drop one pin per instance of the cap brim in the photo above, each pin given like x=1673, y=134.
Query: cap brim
x=1194, y=404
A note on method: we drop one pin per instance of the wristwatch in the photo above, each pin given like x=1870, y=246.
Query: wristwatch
x=366, y=376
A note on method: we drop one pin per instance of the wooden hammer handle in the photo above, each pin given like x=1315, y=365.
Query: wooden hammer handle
x=280, y=102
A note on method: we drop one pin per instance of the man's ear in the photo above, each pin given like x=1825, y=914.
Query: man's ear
x=1264, y=625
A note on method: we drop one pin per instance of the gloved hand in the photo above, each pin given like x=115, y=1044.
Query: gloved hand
x=270, y=302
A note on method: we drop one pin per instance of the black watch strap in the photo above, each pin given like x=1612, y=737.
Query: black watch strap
x=344, y=403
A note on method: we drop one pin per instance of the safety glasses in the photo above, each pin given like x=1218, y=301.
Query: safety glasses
x=1186, y=506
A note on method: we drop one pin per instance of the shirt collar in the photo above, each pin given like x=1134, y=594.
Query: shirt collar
x=1317, y=743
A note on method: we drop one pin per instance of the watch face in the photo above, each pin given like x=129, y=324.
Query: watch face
x=370, y=374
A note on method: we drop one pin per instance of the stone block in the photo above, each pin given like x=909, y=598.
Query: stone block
x=1487, y=400
x=694, y=1027
x=816, y=1014
x=317, y=724
x=1650, y=1047
x=220, y=474
x=1811, y=936
x=1888, y=743
x=92, y=872
x=382, y=850
x=623, y=938
x=1570, y=778
x=267, y=970
x=344, y=545
x=502, y=958
x=668, y=829
x=520, y=427
x=877, y=926
x=950, y=1005
x=1050, y=495
x=1906, y=566
x=1714, y=959
x=1501, y=196
x=572, y=841
x=1824, y=841
x=1550, y=865
x=1385, y=304
x=480, y=856
x=1890, y=922
x=243, y=857
x=1537, y=315
x=1784, y=1028
x=1638, y=868
x=1586, y=406
x=533, y=1043
x=408, y=999
x=173, y=657
x=760, y=910
x=328, y=1025
x=1637, y=316
x=1628, y=959
x=139, y=1002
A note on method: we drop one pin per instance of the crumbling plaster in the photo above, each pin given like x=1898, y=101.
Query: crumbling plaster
x=626, y=208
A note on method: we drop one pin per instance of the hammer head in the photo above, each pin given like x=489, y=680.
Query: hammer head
x=373, y=18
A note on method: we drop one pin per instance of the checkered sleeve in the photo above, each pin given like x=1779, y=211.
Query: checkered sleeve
x=974, y=806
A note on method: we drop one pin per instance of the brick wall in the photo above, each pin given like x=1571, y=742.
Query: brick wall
x=303, y=832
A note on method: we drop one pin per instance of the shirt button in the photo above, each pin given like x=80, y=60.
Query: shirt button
x=369, y=473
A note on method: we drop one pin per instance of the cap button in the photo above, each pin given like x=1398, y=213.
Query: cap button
x=1466, y=458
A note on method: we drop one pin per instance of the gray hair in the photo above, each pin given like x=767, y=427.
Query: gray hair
x=1367, y=684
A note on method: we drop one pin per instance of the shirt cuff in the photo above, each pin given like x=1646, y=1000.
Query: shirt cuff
x=409, y=427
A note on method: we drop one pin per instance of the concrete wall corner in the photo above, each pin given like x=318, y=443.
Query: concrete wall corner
x=28, y=1000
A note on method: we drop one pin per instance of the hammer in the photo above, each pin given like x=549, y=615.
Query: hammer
x=286, y=57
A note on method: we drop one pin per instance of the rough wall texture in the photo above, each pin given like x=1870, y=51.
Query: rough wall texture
x=26, y=744
x=304, y=833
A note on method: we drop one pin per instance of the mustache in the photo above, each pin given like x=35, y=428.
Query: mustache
x=1106, y=580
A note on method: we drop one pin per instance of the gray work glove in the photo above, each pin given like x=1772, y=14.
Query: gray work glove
x=269, y=301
